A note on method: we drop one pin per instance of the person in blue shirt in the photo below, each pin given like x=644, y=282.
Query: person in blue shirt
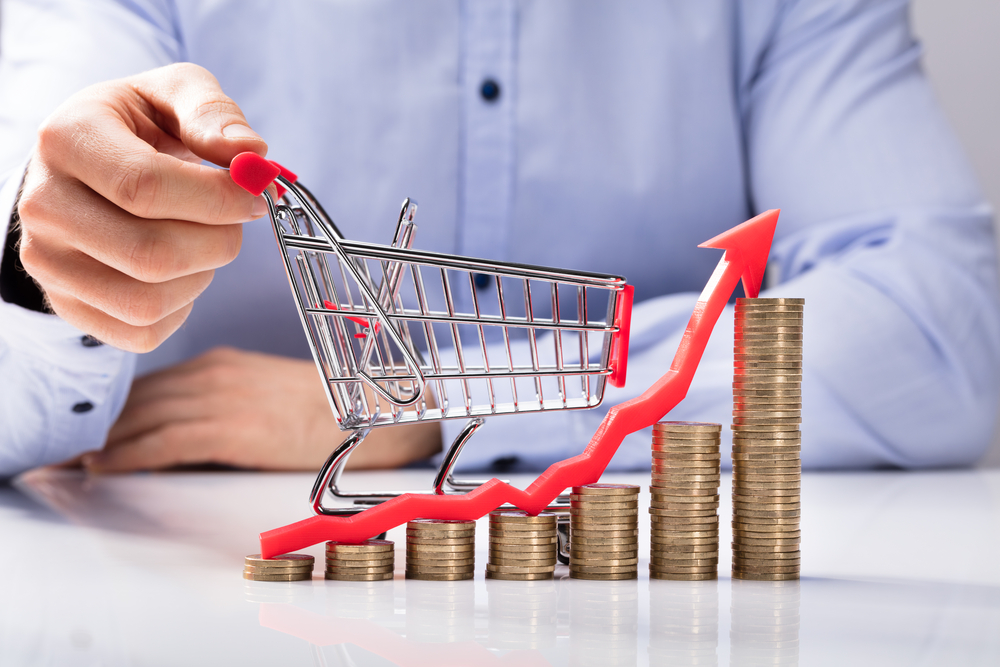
x=609, y=137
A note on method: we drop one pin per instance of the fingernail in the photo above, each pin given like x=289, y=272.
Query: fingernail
x=259, y=207
x=237, y=131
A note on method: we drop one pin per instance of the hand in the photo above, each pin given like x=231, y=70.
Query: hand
x=121, y=225
x=244, y=409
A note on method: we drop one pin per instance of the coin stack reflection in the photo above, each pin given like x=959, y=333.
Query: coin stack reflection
x=767, y=409
x=522, y=546
x=684, y=507
x=604, y=623
x=440, y=550
x=373, y=560
x=361, y=599
x=764, y=624
x=523, y=615
x=684, y=624
x=440, y=612
x=604, y=531
x=287, y=567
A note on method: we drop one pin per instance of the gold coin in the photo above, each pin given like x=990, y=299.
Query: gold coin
x=746, y=495
x=665, y=468
x=616, y=576
x=440, y=524
x=685, y=456
x=784, y=566
x=442, y=548
x=602, y=541
x=607, y=515
x=674, y=447
x=443, y=569
x=510, y=576
x=584, y=505
x=758, y=413
x=515, y=530
x=504, y=549
x=520, y=516
x=286, y=571
x=601, y=570
x=711, y=478
x=442, y=534
x=591, y=532
x=777, y=551
x=687, y=427
x=601, y=561
x=537, y=562
x=670, y=576
x=707, y=531
x=606, y=550
x=766, y=447
x=440, y=577
x=686, y=560
x=548, y=541
x=258, y=576
x=663, y=501
x=691, y=513
x=783, y=514
x=360, y=570
x=519, y=570
x=766, y=577
x=385, y=562
x=700, y=537
x=750, y=303
x=704, y=569
x=458, y=541
x=607, y=489
x=279, y=562
x=358, y=577
x=367, y=545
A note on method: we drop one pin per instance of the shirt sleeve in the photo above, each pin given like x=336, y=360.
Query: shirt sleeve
x=59, y=391
x=883, y=231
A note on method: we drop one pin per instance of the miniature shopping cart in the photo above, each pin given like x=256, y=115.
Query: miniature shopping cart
x=403, y=336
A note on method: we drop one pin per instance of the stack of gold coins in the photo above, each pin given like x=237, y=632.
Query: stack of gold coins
x=440, y=550
x=287, y=567
x=684, y=537
x=767, y=409
x=522, y=546
x=604, y=531
x=373, y=560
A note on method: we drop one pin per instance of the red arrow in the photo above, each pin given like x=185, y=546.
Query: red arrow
x=747, y=247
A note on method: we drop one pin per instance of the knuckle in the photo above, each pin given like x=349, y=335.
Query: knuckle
x=136, y=189
x=141, y=306
x=152, y=259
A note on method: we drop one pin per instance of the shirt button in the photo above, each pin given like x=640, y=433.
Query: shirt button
x=85, y=406
x=490, y=90
x=89, y=341
x=481, y=280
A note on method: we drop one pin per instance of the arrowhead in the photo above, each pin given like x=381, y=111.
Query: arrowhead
x=750, y=244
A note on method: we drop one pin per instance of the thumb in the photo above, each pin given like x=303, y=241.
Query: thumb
x=196, y=111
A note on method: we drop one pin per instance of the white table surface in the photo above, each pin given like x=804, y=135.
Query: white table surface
x=897, y=569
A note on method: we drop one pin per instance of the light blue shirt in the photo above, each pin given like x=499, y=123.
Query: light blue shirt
x=624, y=134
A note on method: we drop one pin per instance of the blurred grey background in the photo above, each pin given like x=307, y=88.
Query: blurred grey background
x=961, y=41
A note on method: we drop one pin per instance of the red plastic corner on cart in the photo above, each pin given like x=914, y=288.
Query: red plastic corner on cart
x=252, y=172
x=619, y=344
x=287, y=174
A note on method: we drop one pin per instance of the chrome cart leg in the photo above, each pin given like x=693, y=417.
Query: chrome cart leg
x=329, y=474
x=443, y=476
